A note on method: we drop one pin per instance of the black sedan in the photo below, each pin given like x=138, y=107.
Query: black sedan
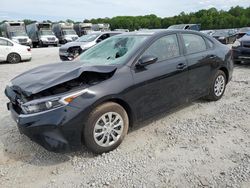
x=241, y=49
x=116, y=84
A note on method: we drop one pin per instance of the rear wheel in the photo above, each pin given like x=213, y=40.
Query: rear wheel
x=13, y=58
x=106, y=127
x=218, y=86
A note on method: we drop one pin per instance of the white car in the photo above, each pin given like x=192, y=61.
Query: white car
x=13, y=52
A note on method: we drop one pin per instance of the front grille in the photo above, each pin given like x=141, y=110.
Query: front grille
x=51, y=38
x=22, y=40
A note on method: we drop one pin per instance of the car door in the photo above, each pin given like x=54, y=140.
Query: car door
x=199, y=64
x=5, y=48
x=161, y=85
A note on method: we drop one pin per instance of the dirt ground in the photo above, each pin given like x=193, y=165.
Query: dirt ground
x=205, y=144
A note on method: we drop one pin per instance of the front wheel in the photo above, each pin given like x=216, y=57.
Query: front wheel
x=106, y=127
x=218, y=86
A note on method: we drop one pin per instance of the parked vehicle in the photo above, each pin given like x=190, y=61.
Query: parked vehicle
x=241, y=49
x=195, y=27
x=225, y=36
x=64, y=32
x=242, y=32
x=83, y=28
x=115, y=84
x=71, y=50
x=15, y=31
x=13, y=52
x=101, y=27
x=41, y=34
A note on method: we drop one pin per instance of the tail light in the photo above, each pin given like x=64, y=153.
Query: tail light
x=29, y=49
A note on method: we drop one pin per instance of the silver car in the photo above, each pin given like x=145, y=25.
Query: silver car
x=71, y=50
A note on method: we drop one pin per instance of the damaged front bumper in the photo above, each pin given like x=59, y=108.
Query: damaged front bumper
x=58, y=130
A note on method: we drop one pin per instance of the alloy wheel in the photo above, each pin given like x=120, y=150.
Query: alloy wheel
x=108, y=129
x=14, y=58
x=219, y=85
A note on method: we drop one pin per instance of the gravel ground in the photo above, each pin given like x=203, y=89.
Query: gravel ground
x=205, y=144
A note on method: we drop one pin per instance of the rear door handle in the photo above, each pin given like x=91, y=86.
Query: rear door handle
x=181, y=66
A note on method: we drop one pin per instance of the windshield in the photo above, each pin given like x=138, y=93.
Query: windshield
x=69, y=32
x=46, y=32
x=111, y=51
x=18, y=33
x=88, y=38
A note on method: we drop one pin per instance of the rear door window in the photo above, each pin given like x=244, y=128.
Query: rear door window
x=194, y=43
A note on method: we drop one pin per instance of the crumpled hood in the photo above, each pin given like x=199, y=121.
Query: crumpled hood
x=47, y=76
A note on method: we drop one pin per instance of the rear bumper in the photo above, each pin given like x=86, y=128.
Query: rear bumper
x=27, y=56
x=53, y=130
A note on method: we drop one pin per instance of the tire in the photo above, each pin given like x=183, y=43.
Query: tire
x=217, y=86
x=14, y=58
x=96, y=126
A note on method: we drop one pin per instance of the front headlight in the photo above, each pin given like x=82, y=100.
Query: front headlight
x=236, y=43
x=49, y=103
x=41, y=106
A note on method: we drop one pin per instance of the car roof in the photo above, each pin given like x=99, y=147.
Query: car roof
x=154, y=32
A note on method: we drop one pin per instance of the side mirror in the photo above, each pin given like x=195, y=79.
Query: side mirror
x=99, y=40
x=146, y=60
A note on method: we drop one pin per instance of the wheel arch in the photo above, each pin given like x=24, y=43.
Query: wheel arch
x=124, y=104
x=224, y=69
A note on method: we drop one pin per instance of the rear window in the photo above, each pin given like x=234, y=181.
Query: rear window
x=3, y=42
x=194, y=43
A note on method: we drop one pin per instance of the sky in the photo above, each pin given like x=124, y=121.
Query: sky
x=78, y=10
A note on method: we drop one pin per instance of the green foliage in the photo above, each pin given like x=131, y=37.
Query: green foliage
x=212, y=18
